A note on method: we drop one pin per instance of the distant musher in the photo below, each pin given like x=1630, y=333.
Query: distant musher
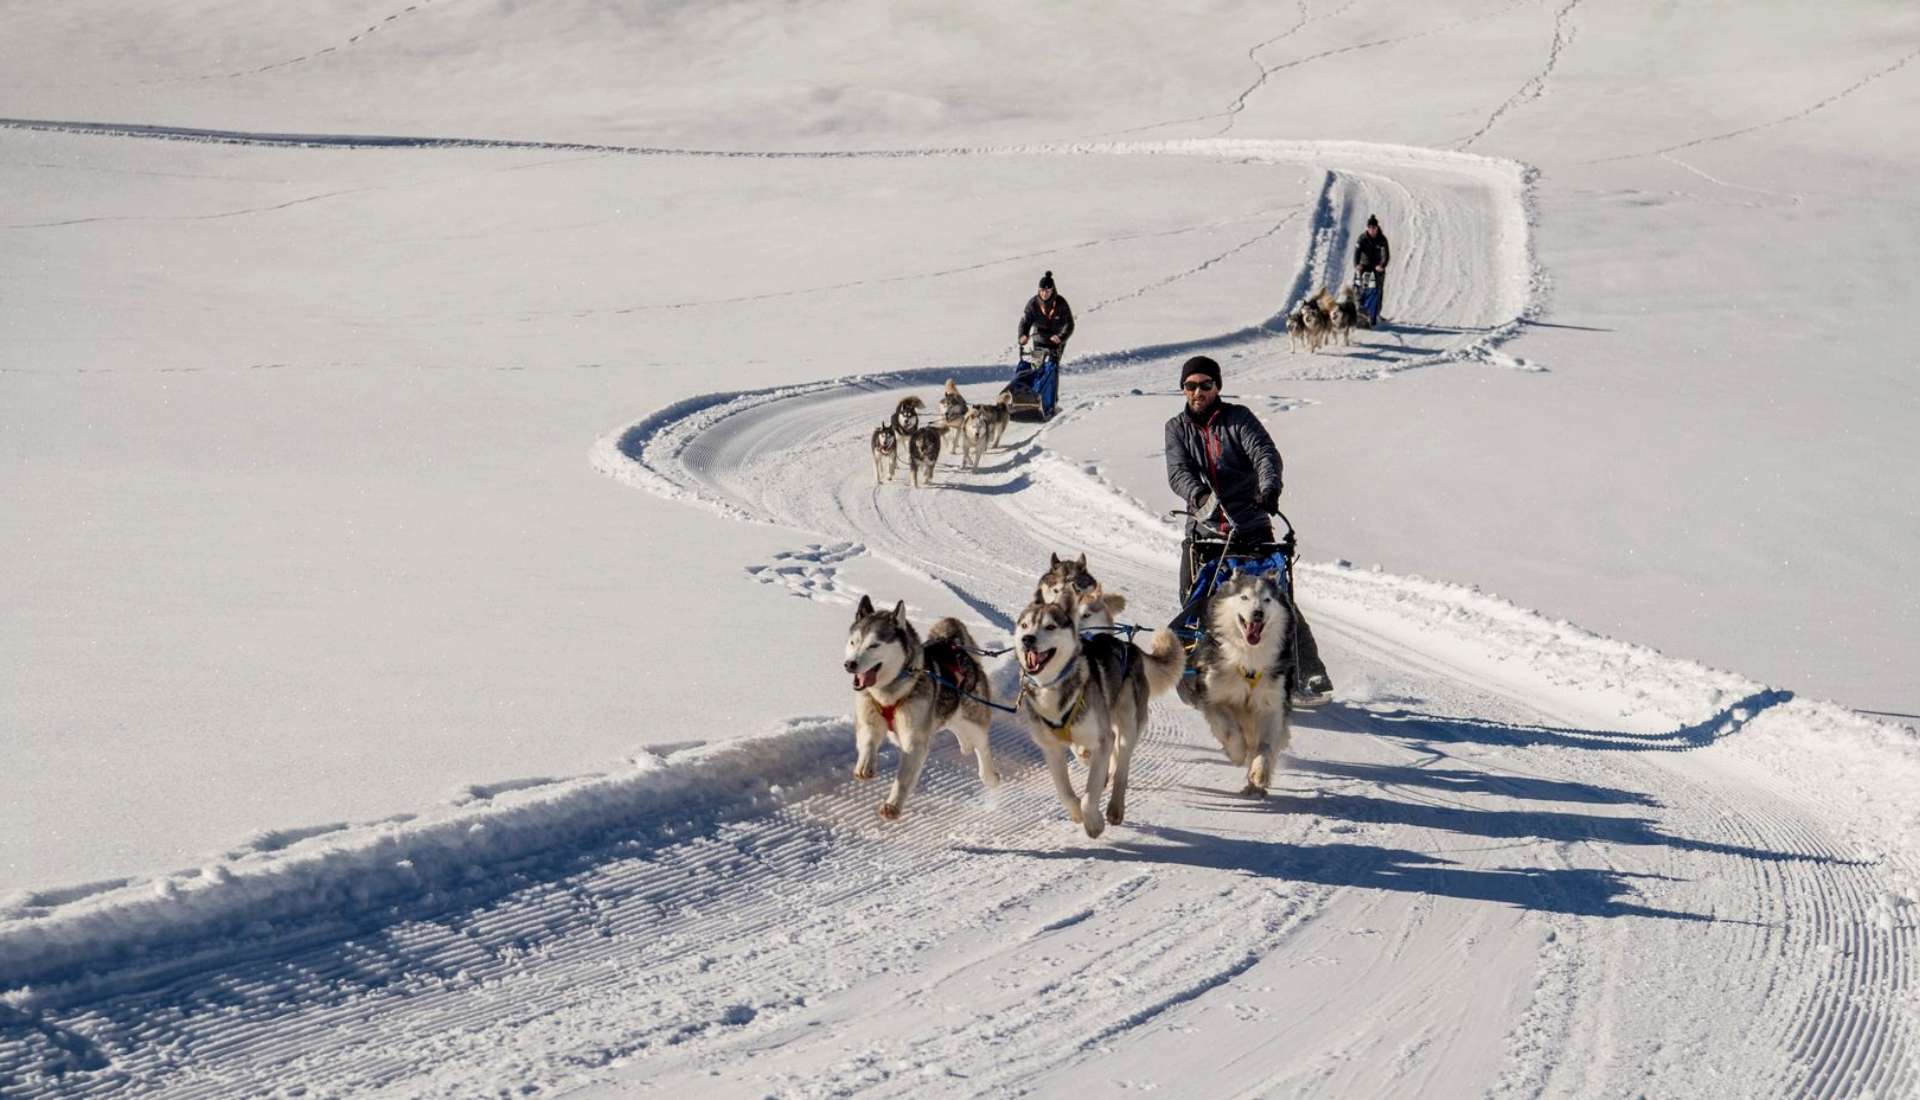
x=1370, y=256
x=1224, y=465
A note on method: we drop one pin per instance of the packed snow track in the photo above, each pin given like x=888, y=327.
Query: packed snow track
x=1512, y=858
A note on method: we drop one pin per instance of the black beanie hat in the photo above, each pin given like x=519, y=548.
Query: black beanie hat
x=1200, y=364
x=1373, y=221
x=1046, y=281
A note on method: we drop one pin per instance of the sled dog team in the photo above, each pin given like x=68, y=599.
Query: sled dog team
x=1322, y=319
x=1084, y=687
x=957, y=426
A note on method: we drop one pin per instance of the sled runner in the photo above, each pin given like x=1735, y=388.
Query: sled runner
x=1036, y=384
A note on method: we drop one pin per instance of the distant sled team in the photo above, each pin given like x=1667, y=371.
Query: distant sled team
x=961, y=429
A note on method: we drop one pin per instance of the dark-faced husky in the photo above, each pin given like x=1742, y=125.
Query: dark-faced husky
x=886, y=454
x=906, y=691
x=1089, y=695
x=923, y=453
x=906, y=416
x=1241, y=666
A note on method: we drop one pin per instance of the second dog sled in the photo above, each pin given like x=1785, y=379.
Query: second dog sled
x=1035, y=389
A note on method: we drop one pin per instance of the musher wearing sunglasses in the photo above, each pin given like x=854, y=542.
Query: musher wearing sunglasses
x=1222, y=462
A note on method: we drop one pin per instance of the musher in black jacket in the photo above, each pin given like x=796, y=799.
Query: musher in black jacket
x=1372, y=254
x=1048, y=319
x=1223, y=464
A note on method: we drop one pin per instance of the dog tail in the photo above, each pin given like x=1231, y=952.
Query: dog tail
x=1166, y=660
x=1006, y=398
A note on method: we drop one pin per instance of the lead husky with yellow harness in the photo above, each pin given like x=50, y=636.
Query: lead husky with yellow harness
x=1089, y=694
x=906, y=691
x=1240, y=669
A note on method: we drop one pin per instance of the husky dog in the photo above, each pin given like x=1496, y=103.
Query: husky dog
x=975, y=435
x=1343, y=316
x=997, y=415
x=1313, y=324
x=906, y=417
x=953, y=415
x=1067, y=580
x=923, y=453
x=1241, y=667
x=906, y=691
x=984, y=429
x=1296, y=330
x=886, y=454
x=1063, y=575
x=1090, y=695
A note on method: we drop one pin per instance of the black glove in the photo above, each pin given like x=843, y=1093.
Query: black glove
x=1271, y=505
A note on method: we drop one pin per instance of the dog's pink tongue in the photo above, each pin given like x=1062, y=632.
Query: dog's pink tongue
x=864, y=680
x=1255, y=629
x=1033, y=660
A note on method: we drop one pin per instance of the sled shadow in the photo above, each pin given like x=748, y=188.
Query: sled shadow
x=1579, y=892
x=1503, y=824
x=1418, y=727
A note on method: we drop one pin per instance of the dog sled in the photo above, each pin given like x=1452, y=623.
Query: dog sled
x=1216, y=558
x=1035, y=388
x=1366, y=297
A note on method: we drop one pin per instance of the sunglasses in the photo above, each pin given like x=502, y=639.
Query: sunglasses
x=1201, y=386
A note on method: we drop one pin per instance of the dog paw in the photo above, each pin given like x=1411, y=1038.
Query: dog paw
x=889, y=811
x=1074, y=813
x=863, y=772
x=1253, y=790
x=990, y=777
x=1095, y=827
x=1116, y=813
x=1084, y=753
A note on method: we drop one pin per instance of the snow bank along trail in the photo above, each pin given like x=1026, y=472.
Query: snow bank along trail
x=1514, y=858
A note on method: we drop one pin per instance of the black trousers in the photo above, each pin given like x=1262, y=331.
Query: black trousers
x=1306, y=651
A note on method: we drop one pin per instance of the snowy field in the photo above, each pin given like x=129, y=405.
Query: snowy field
x=438, y=492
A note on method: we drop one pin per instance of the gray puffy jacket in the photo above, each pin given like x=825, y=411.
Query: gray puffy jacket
x=1233, y=452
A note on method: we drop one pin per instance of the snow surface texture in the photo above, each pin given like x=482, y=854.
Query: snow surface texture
x=1515, y=857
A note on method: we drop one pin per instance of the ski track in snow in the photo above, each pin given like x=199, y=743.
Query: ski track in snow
x=1515, y=858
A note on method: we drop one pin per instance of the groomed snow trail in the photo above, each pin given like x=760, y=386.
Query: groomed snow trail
x=1514, y=858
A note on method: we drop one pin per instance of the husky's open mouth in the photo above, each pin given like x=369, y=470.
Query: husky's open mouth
x=864, y=679
x=1255, y=627
x=1036, y=659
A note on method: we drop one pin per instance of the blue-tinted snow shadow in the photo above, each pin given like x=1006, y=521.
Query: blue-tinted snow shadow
x=1581, y=892
x=1423, y=728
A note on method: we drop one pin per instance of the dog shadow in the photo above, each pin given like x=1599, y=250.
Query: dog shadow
x=1576, y=891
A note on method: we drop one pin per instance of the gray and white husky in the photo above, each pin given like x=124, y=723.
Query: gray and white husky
x=886, y=454
x=952, y=420
x=984, y=426
x=1090, y=695
x=1343, y=316
x=905, y=691
x=923, y=453
x=1241, y=666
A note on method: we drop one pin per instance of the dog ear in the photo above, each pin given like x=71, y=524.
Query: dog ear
x=900, y=612
x=865, y=608
x=1082, y=563
x=1052, y=560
